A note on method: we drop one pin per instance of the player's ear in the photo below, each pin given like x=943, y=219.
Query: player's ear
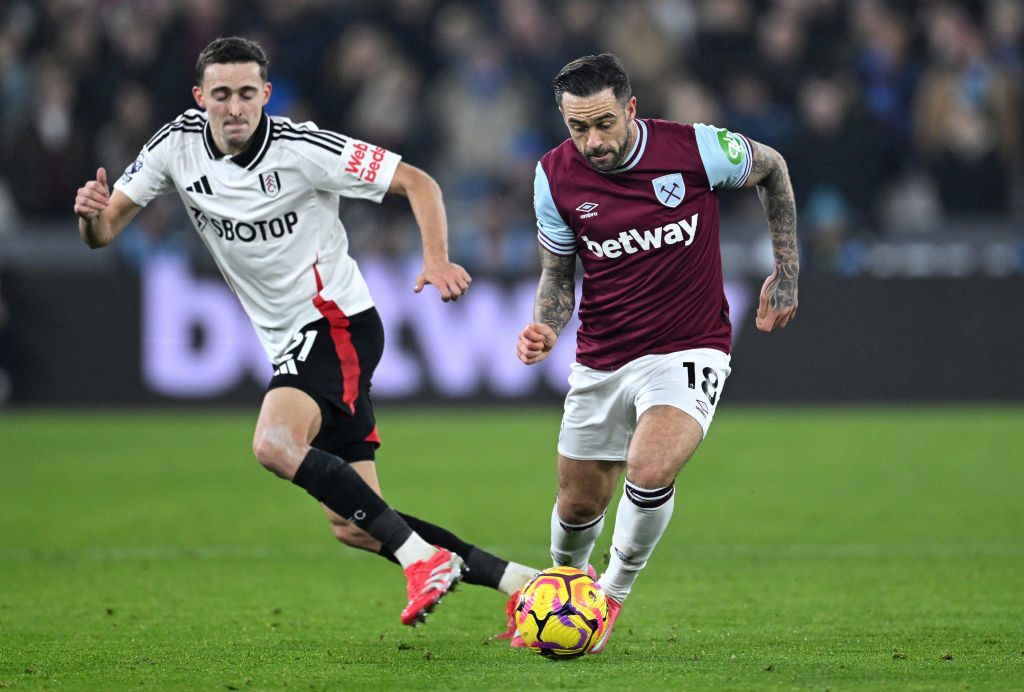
x=197, y=94
x=266, y=92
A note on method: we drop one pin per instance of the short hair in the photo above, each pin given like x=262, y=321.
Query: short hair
x=233, y=49
x=593, y=74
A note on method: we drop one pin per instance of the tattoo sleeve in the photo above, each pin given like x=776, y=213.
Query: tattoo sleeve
x=771, y=176
x=556, y=293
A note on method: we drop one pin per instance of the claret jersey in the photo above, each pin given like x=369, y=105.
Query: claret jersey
x=647, y=237
x=269, y=216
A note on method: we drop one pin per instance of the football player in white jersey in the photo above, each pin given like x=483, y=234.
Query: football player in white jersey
x=635, y=199
x=263, y=193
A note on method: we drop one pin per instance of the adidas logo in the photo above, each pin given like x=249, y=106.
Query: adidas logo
x=202, y=186
x=286, y=366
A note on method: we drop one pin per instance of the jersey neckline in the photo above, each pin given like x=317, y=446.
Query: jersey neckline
x=250, y=157
x=638, y=147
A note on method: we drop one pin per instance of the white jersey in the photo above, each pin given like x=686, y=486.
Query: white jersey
x=269, y=216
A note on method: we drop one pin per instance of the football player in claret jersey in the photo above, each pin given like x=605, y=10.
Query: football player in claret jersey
x=636, y=200
x=263, y=193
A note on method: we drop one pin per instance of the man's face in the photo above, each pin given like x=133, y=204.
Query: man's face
x=233, y=95
x=600, y=127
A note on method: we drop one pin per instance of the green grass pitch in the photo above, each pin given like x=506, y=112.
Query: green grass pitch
x=810, y=549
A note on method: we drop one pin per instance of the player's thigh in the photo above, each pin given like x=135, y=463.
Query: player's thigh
x=597, y=424
x=665, y=439
x=675, y=407
x=333, y=363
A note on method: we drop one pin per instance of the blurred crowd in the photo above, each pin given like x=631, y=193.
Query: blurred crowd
x=896, y=117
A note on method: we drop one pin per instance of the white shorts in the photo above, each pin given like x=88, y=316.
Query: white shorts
x=602, y=407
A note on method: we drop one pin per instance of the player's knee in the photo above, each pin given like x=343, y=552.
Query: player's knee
x=272, y=456
x=652, y=475
x=579, y=504
x=579, y=510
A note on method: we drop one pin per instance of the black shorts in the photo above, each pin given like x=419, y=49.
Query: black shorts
x=332, y=360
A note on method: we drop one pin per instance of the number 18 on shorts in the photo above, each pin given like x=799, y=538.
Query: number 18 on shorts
x=602, y=407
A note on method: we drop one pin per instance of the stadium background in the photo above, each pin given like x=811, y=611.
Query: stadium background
x=900, y=122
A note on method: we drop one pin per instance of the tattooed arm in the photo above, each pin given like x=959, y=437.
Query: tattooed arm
x=778, y=301
x=556, y=294
x=552, y=307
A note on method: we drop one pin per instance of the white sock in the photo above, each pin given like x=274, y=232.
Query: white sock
x=571, y=544
x=413, y=550
x=639, y=523
x=515, y=578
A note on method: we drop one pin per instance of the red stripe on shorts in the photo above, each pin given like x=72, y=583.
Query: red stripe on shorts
x=343, y=346
x=373, y=436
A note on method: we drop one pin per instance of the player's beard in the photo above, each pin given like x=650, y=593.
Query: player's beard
x=618, y=155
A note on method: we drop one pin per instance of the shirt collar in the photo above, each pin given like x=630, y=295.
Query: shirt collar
x=638, y=147
x=248, y=158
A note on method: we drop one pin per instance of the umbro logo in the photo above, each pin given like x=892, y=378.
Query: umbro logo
x=201, y=186
x=587, y=210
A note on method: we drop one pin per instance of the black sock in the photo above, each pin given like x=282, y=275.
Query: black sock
x=333, y=482
x=482, y=568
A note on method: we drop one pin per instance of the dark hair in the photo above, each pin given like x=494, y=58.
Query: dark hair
x=232, y=49
x=593, y=74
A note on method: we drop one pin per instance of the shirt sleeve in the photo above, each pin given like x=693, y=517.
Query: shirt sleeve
x=146, y=177
x=552, y=231
x=727, y=156
x=363, y=171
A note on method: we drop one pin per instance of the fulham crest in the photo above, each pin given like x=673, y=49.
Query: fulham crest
x=271, y=183
x=669, y=189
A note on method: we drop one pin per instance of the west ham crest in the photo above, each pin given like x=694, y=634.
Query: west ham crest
x=669, y=189
x=271, y=183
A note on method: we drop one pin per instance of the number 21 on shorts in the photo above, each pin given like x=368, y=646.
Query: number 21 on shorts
x=303, y=342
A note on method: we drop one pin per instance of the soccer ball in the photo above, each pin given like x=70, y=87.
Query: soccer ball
x=561, y=613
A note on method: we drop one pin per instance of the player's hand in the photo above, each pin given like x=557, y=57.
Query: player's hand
x=93, y=197
x=450, y=280
x=535, y=343
x=777, y=304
